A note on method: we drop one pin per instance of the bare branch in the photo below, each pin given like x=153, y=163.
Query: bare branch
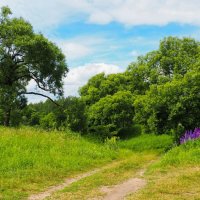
x=35, y=93
x=39, y=83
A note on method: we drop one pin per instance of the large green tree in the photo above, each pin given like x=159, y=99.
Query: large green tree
x=102, y=85
x=166, y=106
x=25, y=56
x=111, y=113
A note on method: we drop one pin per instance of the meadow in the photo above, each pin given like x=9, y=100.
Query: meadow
x=175, y=176
x=34, y=159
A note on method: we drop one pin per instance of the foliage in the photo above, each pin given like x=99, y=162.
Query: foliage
x=91, y=92
x=69, y=115
x=26, y=56
x=159, y=91
x=100, y=85
x=48, y=121
x=74, y=111
x=114, y=112
x=173, y=58
x=165, y=106
x=164, y=84
x=140, y=76
x=129, y=132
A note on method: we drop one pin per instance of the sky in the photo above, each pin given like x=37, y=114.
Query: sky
x=105, y=35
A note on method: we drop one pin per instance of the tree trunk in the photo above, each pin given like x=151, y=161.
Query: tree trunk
x=7, y=117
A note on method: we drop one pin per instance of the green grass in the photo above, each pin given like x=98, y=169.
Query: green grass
x=141, y=151
x=31, y=160
x=176, y=176
x=92, y=187
x=185, y=154
x=150, y=142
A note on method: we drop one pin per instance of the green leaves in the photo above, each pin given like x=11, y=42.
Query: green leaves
x=165, y=106
x=26, y=56
x=114, y=111
x=5, y=12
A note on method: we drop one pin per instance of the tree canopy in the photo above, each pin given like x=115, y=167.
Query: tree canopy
x=25, y=56
x=159, y=91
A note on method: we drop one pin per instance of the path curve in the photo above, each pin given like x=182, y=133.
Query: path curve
x=66, y=183
x=118, y=192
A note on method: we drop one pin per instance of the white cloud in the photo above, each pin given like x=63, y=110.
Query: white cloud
x=79, y=76
x=46, y=13
x=75, y=50
x=32, y=87
x=79, y=47
x=76, y=78
x=50, y=13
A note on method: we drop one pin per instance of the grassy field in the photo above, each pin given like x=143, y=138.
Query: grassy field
x=156, y=143
x=93, y=187
x=176, y=176
x=31, y=160
x=142, y=149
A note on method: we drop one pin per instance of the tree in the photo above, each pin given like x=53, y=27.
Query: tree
x=166, y=106
x=111, y=112
x=140, y=77
x=102, y=85
x=26, y=56
x=48, y=121
x=175, y=56
x=74, y=110
x=91, y=92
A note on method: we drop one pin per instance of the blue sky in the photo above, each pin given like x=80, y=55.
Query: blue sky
x=106, y=35
x=120, y=45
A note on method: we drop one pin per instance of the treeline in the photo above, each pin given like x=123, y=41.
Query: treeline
x=160, y=91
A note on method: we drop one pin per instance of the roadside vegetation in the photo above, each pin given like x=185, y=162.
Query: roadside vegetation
x=135, y=159
x=31, y=159
x=175, y=176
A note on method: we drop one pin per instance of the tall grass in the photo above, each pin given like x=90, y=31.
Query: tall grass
x=175, y=176
x=31, y=159
x=150, y=142
x=185, y=154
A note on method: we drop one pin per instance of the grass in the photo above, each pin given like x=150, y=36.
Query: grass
x=150, y=142
x=141, y=151
x=176, y=176
x=185, y=154
x=31, y=159
x=93, y=187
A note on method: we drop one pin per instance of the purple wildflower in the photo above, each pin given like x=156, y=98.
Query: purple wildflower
x=190, y=135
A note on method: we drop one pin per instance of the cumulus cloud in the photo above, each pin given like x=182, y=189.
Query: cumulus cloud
x=47, y=13
x=74, y=50
x=79, y=47
x=79, y=76
x=76, y=78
